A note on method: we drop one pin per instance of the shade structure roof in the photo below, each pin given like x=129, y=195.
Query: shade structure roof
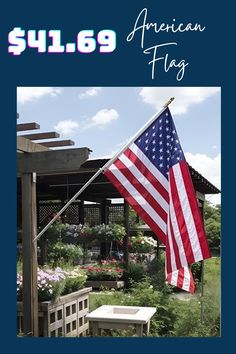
x=64, y=186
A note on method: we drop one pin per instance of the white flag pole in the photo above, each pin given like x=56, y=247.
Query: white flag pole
x=149, y=122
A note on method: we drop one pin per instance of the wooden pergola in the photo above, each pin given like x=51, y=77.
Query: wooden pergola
x=59, y=175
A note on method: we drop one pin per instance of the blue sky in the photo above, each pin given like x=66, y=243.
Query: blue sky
x=104, y=118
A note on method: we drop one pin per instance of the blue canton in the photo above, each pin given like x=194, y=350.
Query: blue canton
x=160, y=143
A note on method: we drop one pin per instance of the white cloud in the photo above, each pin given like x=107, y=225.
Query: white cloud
x=103, y=117
x=184, y=96
x=26, y=94
x=66, y=127
x=210, y=168
x=90, y=92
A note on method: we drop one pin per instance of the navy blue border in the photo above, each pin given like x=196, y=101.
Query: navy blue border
x=212, y=64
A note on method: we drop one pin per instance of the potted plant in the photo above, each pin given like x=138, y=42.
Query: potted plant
x=107, y=273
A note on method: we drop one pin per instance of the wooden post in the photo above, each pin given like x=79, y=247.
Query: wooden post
x=81, y=212
x=104, y=212
x=29, y=254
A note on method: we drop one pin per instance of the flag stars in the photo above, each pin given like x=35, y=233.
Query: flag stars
x=160, y=142
x=154, y=134
x=160, y=135
x=146, y=148
x=153, y=157
x=146, y=141
x=153, y=127
x=139, y=140
x=154, y=149
x=154, y=142
x=161, y=158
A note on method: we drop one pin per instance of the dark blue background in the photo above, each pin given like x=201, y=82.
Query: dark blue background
x=212, y=62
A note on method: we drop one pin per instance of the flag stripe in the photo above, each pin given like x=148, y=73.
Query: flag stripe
x=176, y=249
x=187, y=213
x=148, y=164
x=195, y=212
x=146, y=172
x=135, y=203
x=138, y=197
x=176, y=235
x=141, y=190
x=170, y=256
x=147, y=189
x=180, y=219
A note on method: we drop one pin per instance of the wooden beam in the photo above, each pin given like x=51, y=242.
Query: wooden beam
x=29, y=255
x=27, y=126
x=26, y=145
x=52, y=161
x=38, y=136
x=58, y=143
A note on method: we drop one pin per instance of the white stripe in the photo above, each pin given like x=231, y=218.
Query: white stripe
x=187, y=213
x=138, y=197
x=172, y=253
x=149, y=165
x=145, y=182
x=174, y=278
x=177, y=235
x=186, y=282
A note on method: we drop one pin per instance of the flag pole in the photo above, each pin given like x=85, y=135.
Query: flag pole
x=146, y=125
x=202, y=291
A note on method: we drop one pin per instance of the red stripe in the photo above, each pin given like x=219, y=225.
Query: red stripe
x=146, y=172
x=168, y=258
x=180, y=219
x=195, y=210
x=141, y=189
x=180, y=279
x=141, y=212
x=176, y=248
x=192, y=285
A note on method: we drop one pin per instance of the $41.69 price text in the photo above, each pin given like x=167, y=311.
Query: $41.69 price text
x=86, y=42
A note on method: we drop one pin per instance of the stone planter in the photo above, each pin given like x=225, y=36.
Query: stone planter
x=64, y=317
x=109, y=284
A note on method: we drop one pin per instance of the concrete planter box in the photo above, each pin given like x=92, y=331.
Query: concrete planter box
x=97, y=284
x=65, y=317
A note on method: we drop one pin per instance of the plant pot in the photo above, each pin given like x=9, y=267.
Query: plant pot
x=63, y=317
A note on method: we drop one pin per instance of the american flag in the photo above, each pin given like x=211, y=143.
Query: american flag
x=152, y=175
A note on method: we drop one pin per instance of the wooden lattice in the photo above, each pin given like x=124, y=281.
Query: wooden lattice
x=92, y=214
x=116, y=213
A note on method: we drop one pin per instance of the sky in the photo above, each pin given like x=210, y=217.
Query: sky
x=105, y=118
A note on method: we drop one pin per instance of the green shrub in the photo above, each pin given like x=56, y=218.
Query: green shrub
x=134, y=274
x=64, y=253
x=74, y=280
